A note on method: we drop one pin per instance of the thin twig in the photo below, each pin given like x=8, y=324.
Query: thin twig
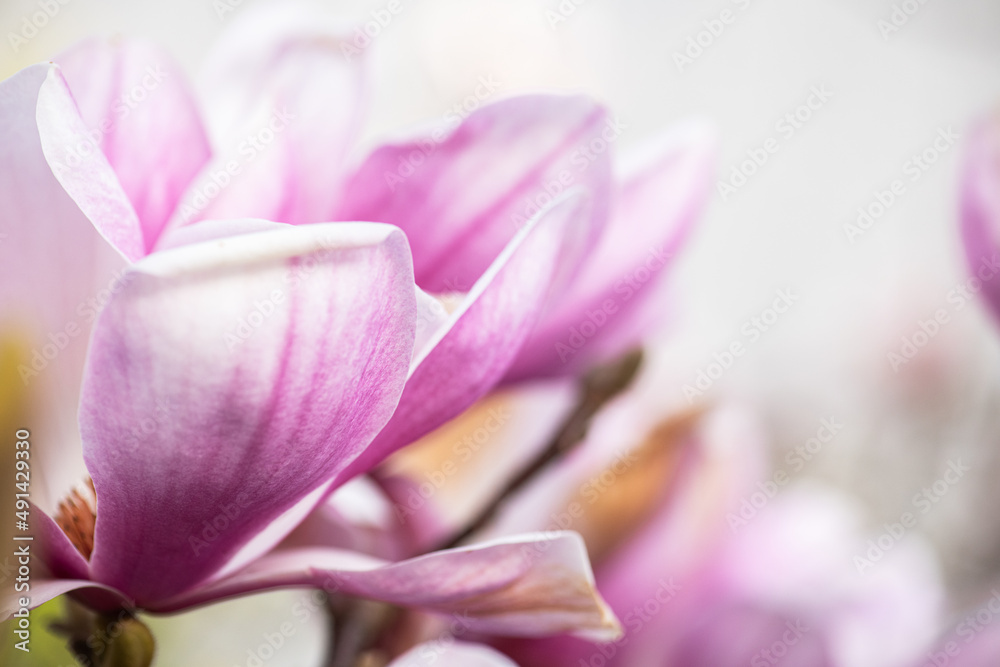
x=599, y=386
x=355, y=625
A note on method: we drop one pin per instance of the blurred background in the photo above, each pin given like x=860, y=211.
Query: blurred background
x=832, y=102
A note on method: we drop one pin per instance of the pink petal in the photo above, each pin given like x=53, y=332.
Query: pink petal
x=441, y=483
x=471, y=353
x=972, y=643
x=446, y=652
x=611, y=304
x=981, y=209
x=357, y=517
x=96, y=596
x=139, y=110
x=461, y=197
x=530, y=585
x=286, y=106
x=83, y=170
x=56, y=270
x=61, y=558
x=229, y=379
x=716, y=472
x=210, y=230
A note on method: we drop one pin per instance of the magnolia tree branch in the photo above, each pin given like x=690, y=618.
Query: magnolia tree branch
x=601, y=385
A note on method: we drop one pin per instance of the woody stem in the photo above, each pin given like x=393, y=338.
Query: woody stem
x=599, y=386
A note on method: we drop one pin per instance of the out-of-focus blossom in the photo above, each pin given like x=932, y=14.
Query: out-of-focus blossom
x=980, y=207
x=701, y=559
x=724, y=572
x=973, y=642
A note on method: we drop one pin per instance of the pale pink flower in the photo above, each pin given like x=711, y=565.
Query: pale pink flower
x=241, y=368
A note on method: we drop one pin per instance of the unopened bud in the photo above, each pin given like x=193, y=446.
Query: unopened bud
x=134, y=647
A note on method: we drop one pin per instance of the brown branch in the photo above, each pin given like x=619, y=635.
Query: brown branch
x=355, y=625
x=599, y=386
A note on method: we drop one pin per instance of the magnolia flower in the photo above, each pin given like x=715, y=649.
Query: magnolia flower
x=460, y=191
x=282, y=117
x=240, y=370
x=980, y=208
x=249, y=354
x=700, y=559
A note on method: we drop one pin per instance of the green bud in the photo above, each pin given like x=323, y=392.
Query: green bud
x=134, y=647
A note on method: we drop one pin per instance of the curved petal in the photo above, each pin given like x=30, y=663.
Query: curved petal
x=357, y=517
x=286, y=104
x=529, y=585
x=460, y=198
x=210, y=230
x=83, y=170
x=661, y=193
x=981, y=209
x=469, y=355
x=449, y=653
x=442, y=482
x=59, y=555
x=96, y=596
x=139, y=110
x=229, y=379
x=718, y=468
x=56, y=271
